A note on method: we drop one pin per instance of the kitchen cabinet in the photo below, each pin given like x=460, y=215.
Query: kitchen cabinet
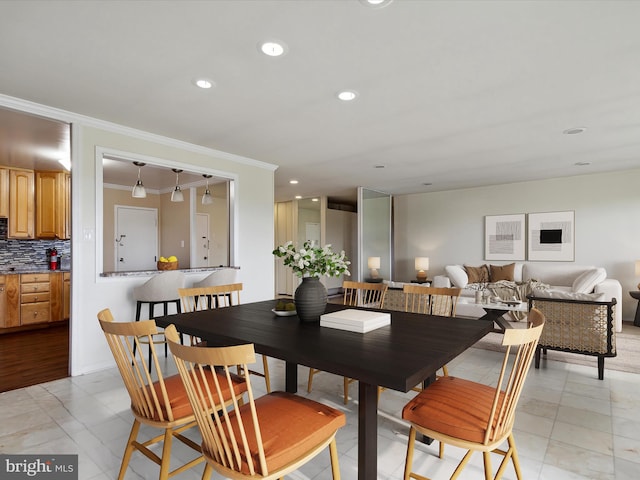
x=35, y=298
x=11, y=318
x=4, y=192
x=60, y=296
x=3, y=300
x=66, y=295
x=52, y=204
x=21, y=203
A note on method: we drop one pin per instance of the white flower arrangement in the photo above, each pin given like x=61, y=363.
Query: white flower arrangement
x=312, y=261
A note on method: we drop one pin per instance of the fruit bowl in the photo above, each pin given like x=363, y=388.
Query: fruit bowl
x=167, y=265
x=284, y=313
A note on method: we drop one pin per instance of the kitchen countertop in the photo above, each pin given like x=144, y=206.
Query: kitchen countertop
x=4, y=270
x=142, y=273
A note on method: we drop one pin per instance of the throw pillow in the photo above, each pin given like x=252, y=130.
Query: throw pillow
x=501, y=272
x=477, y=274
x=586, y=282
x=457, y=275
x=563, y=295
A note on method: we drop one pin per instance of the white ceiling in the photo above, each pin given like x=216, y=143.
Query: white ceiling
x=453, y=93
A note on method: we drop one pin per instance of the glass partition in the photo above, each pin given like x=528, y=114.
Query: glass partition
x=374, y=235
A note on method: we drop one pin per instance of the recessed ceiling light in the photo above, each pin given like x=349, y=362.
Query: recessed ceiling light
x=376, y=3
x=347, y=95
x=298, y=197
x=293, y=182
x=582, y=164
x=273, y=48
x=315, y=199
x=203, y=83
x=574, y=131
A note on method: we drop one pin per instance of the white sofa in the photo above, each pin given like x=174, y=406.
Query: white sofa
x=563, y=280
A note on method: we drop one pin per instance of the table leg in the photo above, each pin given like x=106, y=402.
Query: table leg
x=367, y=431
x=291, y=377
x=496, y=316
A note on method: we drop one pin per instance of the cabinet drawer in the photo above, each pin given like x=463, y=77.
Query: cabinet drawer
x=35, y=313
x=35, y=297
x=34, y=287
x=34, y=277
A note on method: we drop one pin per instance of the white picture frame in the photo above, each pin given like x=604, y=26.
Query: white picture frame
x=551, y=237
x=504, y=237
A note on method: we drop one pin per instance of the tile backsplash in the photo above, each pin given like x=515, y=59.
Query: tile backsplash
x=30, y=253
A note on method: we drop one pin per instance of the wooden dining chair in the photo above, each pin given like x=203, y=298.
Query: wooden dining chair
x=218, y=296
x=356, y=294
x=161, y=403
x=472, y=415
x=265, y=438
x=439, y=301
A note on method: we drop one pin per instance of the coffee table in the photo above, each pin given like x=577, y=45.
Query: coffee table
x=494, y=311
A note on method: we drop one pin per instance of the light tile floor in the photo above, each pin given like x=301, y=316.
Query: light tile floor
x=570, y=425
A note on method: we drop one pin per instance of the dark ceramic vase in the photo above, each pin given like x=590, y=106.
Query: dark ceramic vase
x=311, y=299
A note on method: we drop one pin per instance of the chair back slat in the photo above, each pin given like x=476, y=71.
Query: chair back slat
x=431, y=300
x=146, y=400
x=203, y=298
x=229, y=433
x=363, y=294
x=525, y=340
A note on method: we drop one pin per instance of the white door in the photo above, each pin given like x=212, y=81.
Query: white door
x=202, y=240
x=136, y=238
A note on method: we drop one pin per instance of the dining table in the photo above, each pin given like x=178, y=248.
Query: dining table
x=398, y=356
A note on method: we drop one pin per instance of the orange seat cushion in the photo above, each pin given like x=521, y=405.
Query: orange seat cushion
x=290, y=426
x=179, y=401
x=453, y=406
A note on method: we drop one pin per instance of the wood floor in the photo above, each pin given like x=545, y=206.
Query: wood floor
x=35, y=356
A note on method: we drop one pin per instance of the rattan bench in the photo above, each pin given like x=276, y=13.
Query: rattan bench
x=577, y=326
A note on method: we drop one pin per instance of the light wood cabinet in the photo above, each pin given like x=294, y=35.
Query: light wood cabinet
x=35, y=298
x=4, y=192
x=66, y=296
x=12, y=302
x=21, y=203
x=52, y=204
x=3, y=301
x=60, y=296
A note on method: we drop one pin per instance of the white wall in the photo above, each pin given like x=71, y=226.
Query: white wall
x=448, y=227
x=254, y=200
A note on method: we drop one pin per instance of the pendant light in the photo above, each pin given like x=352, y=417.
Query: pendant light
x=176, y=195
x=207, y=199
x=138, y=189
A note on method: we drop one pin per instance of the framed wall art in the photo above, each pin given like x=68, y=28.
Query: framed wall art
x=504, y=237
x=551, y=236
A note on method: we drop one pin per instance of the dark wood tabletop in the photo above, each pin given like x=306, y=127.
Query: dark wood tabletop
x=398, y=356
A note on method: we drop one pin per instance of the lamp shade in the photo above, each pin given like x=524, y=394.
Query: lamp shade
x=637, y=268
x=373, y=262
x=207, y=199
x=422, y=263
x=138, y=190
x=176, y=195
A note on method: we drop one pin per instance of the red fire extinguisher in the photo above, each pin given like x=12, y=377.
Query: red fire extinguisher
x=53, y=259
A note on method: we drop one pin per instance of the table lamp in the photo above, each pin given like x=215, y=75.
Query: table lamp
x=638, y=271
x=422, y=265
x=374, y=264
